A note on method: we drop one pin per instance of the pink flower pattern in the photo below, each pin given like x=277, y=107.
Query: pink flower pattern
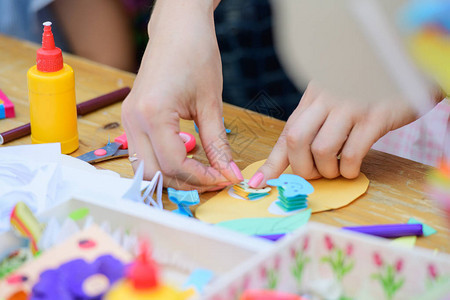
x=432, y=271
x=329, y=243
x=377, y=259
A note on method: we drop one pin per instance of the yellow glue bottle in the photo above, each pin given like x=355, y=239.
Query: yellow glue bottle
x=51, y=90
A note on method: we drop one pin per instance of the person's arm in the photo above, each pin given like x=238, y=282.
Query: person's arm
x=180, y=77
x=99, y=30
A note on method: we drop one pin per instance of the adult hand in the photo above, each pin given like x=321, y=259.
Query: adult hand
x=323, y=127
x=180, y=77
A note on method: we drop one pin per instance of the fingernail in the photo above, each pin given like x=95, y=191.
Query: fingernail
x=256, y=179
x=236, y=171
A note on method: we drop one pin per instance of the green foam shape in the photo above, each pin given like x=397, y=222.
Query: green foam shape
x=79, y=214
x=266, y=226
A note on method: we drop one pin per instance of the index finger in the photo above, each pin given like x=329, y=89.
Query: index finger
x=171, y=154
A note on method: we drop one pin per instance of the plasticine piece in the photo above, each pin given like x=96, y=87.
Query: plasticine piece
x=267, y=226
x=183, y=199
x=328, y=194
x=427, y=230
x=78, y=270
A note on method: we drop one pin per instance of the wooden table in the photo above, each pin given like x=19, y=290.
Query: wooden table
x=396, y=190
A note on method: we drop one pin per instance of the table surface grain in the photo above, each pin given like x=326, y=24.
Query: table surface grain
x=396, y=190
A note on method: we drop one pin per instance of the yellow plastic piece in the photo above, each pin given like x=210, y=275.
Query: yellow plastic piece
x=432, y=51
x=125, y=290
x=53, y=111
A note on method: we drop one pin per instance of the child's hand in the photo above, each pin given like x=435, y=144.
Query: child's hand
x=180, y=77
x=322, y=127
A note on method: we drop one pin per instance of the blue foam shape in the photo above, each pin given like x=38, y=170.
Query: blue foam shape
x=2, y=111
x=184, y=211
x=183, y=199
x=198, y=279
x=293, y=185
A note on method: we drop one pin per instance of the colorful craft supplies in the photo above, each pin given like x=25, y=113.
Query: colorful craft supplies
x=183, y=199
x=293, y=192
x=26, y=224
x=245, y=191
x=6, y=107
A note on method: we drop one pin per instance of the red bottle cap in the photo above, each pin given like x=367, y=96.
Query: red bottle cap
x=143, y=273
x=49, y=58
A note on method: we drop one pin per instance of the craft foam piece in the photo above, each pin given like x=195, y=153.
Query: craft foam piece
x=292, y=185
x=328, y=194
x=267, y=226
x=79, y=214
x=427, y=230
x=2, y=110
x=8, y=106
x=183, y=199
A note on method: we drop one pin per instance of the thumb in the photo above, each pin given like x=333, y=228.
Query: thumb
x=215, y=143
x=275, y=164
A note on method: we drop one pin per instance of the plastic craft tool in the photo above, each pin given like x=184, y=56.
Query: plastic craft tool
x=389, y=230
x=119, y=148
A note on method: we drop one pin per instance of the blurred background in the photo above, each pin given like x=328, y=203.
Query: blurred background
x=271, y=49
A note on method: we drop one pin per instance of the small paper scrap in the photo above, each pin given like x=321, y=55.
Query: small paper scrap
x=183, y=199
x=266, y=226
